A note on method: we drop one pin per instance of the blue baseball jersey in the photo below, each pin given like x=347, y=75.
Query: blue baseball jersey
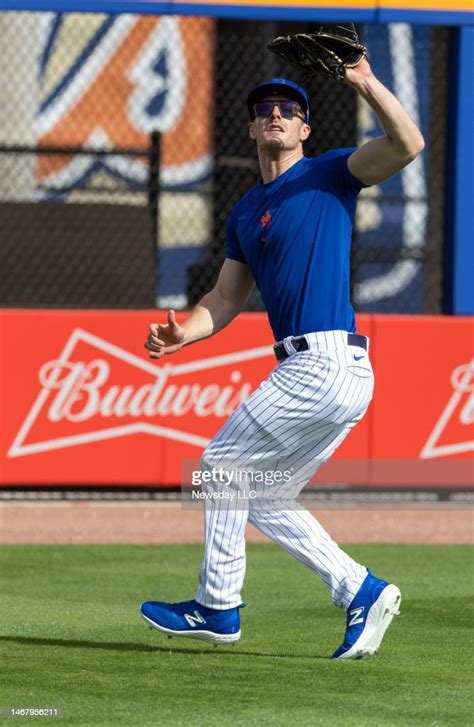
x=295, y=235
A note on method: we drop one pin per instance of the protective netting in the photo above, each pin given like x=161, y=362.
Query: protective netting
x=93, y=213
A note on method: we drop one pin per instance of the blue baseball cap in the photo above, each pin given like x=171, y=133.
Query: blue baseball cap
x=279, y=87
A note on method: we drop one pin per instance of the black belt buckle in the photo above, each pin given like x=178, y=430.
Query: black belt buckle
x=300, y=343
x=280, y=352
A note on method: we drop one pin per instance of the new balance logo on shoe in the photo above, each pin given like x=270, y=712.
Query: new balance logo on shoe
x=193, y=620
x=356, y=615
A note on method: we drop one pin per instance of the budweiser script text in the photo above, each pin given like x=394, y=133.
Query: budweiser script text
x=462, y=381
x=83, y=392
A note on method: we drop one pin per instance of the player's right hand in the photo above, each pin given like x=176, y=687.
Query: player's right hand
x=163, y=339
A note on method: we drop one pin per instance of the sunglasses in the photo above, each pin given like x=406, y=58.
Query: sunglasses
x=288, y=109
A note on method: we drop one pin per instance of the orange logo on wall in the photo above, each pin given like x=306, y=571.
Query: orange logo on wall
x=125, y=77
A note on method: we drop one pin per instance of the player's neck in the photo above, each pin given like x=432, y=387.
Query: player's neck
x=273, y=163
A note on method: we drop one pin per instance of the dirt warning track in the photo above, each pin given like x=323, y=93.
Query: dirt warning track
x=170, y=522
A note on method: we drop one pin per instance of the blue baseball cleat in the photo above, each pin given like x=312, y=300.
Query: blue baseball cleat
x=193, y=621
x=368, y=617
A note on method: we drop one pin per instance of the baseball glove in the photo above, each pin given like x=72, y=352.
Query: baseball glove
x=325, y=53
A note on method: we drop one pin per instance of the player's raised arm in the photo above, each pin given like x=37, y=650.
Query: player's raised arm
x=338, y=53
x=384, y=156
x=213, y=312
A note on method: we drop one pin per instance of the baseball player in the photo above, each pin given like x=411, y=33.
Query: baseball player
x=291, y=236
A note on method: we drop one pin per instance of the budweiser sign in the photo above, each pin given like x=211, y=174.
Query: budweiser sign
x=86, y=405
x=88, y=394
x=452, y=433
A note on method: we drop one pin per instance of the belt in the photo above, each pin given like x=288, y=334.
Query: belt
x=301, y=343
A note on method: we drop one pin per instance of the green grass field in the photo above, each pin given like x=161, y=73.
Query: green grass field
x=72, y=638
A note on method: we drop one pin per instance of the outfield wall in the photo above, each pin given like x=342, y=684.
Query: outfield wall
x=82, y=403
x=369, y=11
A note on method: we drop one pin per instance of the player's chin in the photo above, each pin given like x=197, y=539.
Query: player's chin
x=272, y=142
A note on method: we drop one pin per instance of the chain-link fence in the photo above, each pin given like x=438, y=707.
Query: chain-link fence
x=124, y=145
x=93, y=212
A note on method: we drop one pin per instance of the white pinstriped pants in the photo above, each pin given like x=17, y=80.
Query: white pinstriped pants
x=293, y=422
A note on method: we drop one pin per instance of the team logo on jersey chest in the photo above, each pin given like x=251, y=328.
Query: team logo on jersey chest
x=265, y=220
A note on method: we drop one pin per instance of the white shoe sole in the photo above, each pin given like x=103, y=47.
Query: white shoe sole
x=379, y=619
x=201, y=635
